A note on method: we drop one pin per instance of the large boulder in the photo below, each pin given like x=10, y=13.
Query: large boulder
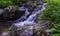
x=11, y=13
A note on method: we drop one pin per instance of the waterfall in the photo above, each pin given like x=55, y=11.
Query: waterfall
x=24, y=17
x=31, y=19
x=24, y=20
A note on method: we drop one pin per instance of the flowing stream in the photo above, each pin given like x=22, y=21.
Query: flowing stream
x=21, y=22
x=24, y=20
x=31, y=19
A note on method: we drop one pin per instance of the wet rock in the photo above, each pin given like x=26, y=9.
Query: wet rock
x=5, y=34
x=31, y=4
x=1, y=11
x=36, y=29
x=11, y=13
x=31, y=30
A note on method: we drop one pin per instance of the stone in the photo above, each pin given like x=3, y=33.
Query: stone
x=1, y=11
x=11, y=13
x=36, y=29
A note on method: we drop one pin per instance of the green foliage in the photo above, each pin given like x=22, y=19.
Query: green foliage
x=5, y=3
x=52, y=13
x=53, y=2
x=16, y=2
x=56, y=34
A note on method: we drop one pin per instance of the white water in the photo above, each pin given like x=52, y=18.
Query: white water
x=31, y=19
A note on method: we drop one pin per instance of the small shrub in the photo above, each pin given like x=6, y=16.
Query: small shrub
x=51, y=13
x=4, y=3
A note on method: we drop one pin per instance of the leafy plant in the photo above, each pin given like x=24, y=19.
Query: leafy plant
x=16, y=2
x=4, y=3
x=52, y=13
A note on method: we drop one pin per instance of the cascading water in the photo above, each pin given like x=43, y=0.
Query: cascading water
x=24, y=20
x=24, y=17
x=30, y=20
